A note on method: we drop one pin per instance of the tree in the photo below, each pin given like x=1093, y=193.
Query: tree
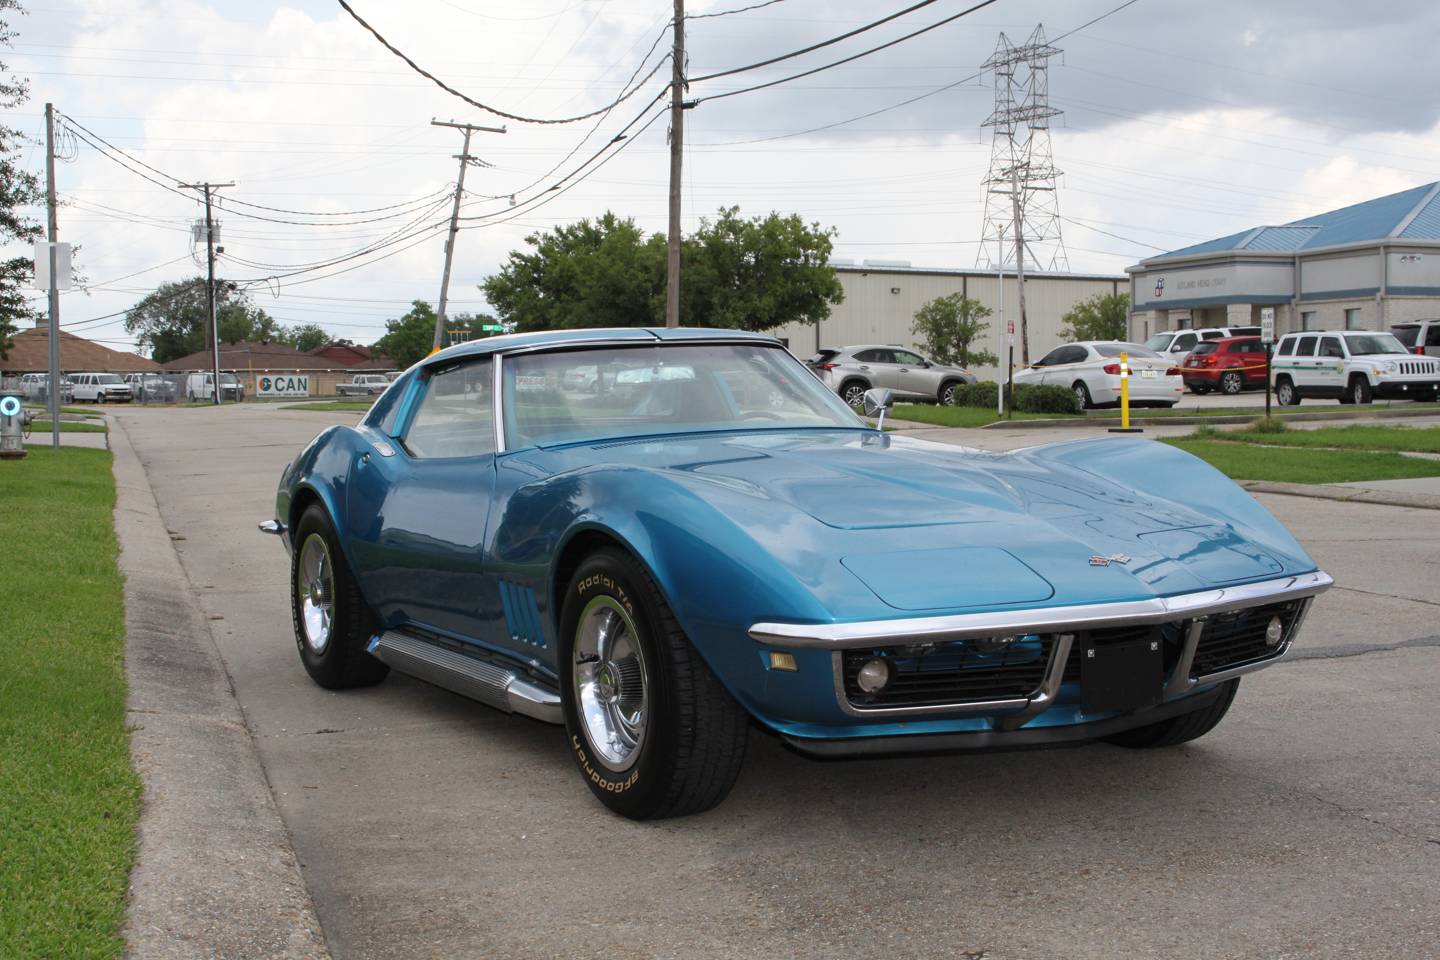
x=754, y=274
x=757, y=274
x=409, y=338
x=19, y=192
x=305, y=336
x=947, y=326
x=171, y=322
x=1104, y=316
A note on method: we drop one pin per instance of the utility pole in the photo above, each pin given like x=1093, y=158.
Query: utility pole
x=214, y=325
x=52, y=231
x=465, y=159
x=1020, y=260
x=677, y=146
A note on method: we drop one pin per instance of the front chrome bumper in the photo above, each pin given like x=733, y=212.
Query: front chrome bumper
x=1063, y=623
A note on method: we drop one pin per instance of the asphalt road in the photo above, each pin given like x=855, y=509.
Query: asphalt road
x=1307, y=825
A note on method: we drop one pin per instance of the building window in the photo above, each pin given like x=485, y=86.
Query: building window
x=1307, y=320
x=1352, y=318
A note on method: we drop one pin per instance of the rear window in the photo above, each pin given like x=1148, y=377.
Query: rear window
x=1213, y=334
x=824, y=356
x=1406, y=335
x=1244, y=331
x=1209, y=346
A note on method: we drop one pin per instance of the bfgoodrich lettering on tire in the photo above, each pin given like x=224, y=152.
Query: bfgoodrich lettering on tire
x=652, y=731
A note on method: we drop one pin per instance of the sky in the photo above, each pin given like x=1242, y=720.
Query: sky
x=1181, y=121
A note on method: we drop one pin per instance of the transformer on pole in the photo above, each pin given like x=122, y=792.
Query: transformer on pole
x=1020, y=194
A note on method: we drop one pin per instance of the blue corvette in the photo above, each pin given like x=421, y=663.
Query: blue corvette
x=656, y=537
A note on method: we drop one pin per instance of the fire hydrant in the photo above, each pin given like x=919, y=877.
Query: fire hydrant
x=14, y=424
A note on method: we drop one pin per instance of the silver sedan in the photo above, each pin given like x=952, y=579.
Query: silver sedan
x=1092, y=369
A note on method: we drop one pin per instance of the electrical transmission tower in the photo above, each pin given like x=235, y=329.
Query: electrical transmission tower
x=1020, y=197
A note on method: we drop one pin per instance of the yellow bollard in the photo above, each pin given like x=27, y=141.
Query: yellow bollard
x=1125, y=399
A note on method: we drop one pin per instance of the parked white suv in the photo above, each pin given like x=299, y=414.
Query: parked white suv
x=1352, y=365
x=100, y=388
x=1177, y=344
x=1419, y=336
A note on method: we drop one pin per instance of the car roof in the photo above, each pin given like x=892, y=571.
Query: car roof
x=1235, y=339
x=511, y=342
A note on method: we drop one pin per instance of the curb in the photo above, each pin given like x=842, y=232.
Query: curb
x=1389, y=498
x=1198, y=420
x=215, y=874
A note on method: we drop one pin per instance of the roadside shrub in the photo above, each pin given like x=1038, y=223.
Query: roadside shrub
x=982, y=394
x=1204, y=432
x=1044, y=398
x=1268, y=425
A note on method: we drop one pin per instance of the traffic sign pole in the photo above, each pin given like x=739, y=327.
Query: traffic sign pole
x=1267, y=338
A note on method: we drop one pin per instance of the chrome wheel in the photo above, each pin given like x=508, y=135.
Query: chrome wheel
x=854, y=394
x=315, y=586
x=611, y=688
x=947, y=396
x=1231, y=383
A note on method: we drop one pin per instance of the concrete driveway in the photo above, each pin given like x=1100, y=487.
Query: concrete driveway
x=1307, y=825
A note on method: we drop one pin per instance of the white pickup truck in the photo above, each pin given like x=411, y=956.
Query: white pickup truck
x=364, y=385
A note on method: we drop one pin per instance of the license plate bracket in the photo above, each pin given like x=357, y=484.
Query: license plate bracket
x=1121, y=677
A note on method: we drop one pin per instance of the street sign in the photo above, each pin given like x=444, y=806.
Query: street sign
x=1010, y=328
x=42, y=265
x=1267, y=324
x=492, y=328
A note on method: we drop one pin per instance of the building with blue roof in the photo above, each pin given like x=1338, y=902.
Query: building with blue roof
x=1364, y=266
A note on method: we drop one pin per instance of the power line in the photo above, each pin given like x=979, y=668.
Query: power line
x=726, y=13
x=625, y=95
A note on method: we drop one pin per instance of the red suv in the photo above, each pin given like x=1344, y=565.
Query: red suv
x=1228, y=365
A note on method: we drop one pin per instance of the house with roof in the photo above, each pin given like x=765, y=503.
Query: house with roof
x=30, y=353
x=1362, y=267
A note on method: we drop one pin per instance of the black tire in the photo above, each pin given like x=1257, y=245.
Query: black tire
x=1359, y=390
x=342, y=662
x=1200, y=389
x=1082, y=394
x=1232, y=382
x=1285, y=393
x=694, y=733
x=946, y=396
x=1181, y=729
x=853, y=392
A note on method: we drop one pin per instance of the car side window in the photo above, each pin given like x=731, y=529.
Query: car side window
x=1330, y=347
x=1432, y=335
x=1074, y=354
x=905, y=356
x=874, y=356
x=1051, y=358
x=456, y=416
x=1306, y=347
x=1287, y=347
x=1184, y=342
x=1213, y=334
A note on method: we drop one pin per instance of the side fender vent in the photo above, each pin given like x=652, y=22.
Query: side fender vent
x=522, y=614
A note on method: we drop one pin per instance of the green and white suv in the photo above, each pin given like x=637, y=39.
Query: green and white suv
x=1353, y=366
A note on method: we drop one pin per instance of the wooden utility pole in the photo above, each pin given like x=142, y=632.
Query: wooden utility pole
x=464, y=158
x=677, y=146
x=214, y=338
x=52, y=231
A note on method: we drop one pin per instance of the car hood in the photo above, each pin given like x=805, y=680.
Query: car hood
x=861, y=517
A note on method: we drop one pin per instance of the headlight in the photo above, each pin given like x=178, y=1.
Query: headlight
x=1391, y=366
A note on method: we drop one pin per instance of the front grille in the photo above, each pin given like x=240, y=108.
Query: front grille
x=1422, y=368
x=957, y=672
x=1232, y=639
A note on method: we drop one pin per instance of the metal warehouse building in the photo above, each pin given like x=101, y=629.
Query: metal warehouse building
x=881, y=297
x=1364, y=266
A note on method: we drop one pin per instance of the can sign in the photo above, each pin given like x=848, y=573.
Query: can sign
x=282, y=386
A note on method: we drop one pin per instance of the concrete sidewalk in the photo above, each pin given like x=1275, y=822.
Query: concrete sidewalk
x=215, y=874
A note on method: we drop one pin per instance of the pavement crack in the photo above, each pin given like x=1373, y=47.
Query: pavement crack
x=1387, y=596
x=1359, y=815
x=1359, y=649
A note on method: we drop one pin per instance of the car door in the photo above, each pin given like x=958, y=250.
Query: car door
x=878, y=366
x=1067, y=367
x=417, y=505
x=1035, y=373
x=1304, y=365
x=1329, y=367
x=914, y=377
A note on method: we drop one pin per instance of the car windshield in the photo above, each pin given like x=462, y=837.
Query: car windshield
x=1209, y=346
x=1129, y=349
x=108, y=378
x=674, y=388
x=228, y=380
x=1158, y=342
x=1365, y=344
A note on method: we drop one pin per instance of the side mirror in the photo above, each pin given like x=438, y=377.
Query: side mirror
x=878, y=400
x=925, y=364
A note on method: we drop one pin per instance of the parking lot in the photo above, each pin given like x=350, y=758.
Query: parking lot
x=1307, y=825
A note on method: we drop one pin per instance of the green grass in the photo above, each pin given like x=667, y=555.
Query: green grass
x=1244, y=461
x=68, y=796
x=328, y=405
x=42, y=407
x=1359, y=437
x=945, y=416
x=67, y=426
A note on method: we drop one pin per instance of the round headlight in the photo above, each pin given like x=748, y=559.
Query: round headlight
x=1274, y=631
x=874, y=676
